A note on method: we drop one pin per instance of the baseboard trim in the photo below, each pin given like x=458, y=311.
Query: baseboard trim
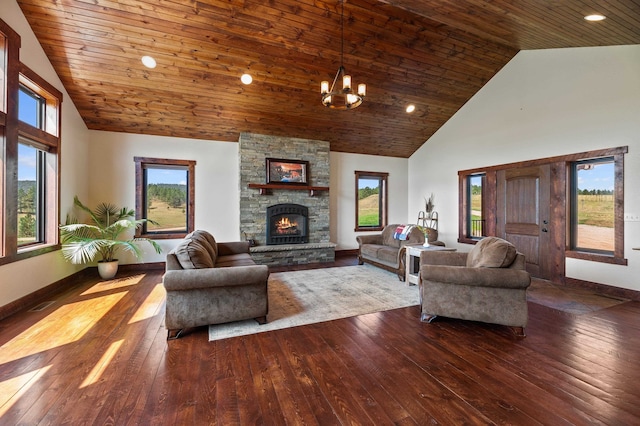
x=39, y=296
x=608, y=290
x=345, y=253
x=132, y=267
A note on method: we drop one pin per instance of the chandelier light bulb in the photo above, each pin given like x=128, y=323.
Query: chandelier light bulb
x=324, y=87
x=362, y=89
x=346, y=82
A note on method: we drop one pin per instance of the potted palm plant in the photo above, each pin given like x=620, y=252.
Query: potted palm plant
x=83, y=243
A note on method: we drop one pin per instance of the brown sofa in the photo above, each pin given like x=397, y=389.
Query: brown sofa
x=488, y=284
x=385, y=251
x=212, y=283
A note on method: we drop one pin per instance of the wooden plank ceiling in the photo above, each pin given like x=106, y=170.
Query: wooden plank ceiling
x=435, y=54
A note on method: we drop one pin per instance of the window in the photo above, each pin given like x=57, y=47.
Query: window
x=37, y=207
x=31, y=190
x=475, y=206
x=371, y=201
x=593, y=206
x=29, y=123
x=31, y=107
x=165, y=196
x=596, y=206
x=476, y=213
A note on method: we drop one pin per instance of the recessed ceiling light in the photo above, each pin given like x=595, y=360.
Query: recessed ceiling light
x=148, y=62
x=246, y=78
x=595, y=18
x=411, y=108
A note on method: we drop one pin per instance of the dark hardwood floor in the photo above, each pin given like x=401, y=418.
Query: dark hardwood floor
x=98, y=355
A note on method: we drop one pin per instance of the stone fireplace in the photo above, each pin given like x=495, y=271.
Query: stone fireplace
x=254, y=149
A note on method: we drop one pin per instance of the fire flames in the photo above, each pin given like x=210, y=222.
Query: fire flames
x=286, y=226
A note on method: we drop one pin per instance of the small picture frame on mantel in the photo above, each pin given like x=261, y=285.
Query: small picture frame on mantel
x=287, y=172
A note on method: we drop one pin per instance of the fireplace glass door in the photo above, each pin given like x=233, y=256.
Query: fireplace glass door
x=287, y=224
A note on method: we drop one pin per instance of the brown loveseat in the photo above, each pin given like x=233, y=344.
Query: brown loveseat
x=488, y=284
x=212, y=283
x=386, y=251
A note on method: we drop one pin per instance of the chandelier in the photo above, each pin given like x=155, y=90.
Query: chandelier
x=345, y=98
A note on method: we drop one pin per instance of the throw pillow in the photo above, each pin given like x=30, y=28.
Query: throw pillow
x=193, y=255
x=491, y=252
x=387, y=236
x=207, y=240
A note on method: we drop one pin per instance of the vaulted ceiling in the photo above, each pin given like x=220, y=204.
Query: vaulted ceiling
x=435, y=54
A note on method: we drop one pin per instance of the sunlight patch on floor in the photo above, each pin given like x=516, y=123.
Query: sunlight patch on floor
x=151, y=305
x=569, y=299
x=102, y=365
x=113, y=284
x=65, y=325
x=12, y=389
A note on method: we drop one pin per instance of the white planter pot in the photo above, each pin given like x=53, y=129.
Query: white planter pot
x=107, y=270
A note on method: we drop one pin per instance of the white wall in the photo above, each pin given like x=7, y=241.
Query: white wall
x=342, y=191
x=21, y=278
x=98, y=166
x=217, y=179
x=543, y=103
x=217, y=203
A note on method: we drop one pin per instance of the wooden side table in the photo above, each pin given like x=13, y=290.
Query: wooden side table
x=413, y=260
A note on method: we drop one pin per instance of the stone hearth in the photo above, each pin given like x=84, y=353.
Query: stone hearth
x=294, y=254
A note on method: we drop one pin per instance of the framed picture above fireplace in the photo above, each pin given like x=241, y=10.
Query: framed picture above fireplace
x=289, y=172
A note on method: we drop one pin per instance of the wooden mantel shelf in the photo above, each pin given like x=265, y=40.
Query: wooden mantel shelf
x=266, y=187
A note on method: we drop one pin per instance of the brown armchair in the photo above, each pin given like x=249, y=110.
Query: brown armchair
x=488, y=284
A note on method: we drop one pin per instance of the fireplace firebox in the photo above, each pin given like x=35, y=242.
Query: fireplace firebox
x=287, y=224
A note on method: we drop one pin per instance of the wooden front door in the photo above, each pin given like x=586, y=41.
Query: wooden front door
x=523, y=201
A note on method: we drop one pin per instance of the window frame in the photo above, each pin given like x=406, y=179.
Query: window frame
x=12, y=131
x=383, y=208
x=561, y=198
x=489, y=184
x=143, y=163
x=9, y=138
x=617, y=256
x=469, y=220
x=47, y=141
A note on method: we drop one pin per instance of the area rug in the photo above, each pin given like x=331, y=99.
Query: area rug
x=317, y=295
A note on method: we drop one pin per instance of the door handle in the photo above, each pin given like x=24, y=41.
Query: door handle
x=544, y=230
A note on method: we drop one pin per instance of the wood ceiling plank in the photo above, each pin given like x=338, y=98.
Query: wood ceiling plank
x=110, y=62
x=434, y=53
x=461, y=80
x=445, y=53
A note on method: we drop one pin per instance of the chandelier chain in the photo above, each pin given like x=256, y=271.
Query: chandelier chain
x=342, y=35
